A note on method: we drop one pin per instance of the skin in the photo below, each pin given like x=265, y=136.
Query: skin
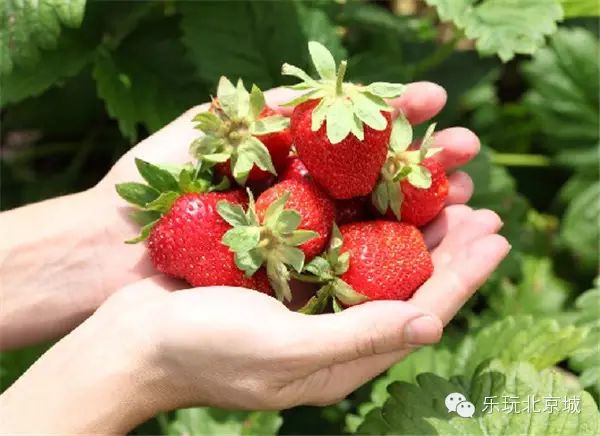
x=147, y=349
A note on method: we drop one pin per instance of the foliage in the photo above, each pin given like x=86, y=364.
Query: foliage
x=82, y=81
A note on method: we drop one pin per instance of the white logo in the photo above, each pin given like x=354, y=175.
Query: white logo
x=457, y=402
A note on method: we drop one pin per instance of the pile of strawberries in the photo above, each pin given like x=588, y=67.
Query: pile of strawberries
x=334, y=195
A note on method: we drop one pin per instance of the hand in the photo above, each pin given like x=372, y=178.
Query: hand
x=126, y=263
x=156, y=350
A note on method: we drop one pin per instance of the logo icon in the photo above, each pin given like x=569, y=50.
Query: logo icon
x=457, y=402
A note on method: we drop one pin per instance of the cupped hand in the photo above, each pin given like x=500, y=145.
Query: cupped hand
x=237, y=348
x=121, y=264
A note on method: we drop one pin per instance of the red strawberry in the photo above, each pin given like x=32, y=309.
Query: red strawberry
x=186, y=243
x=370, y=260
x=388, y=260
x=420, y=206
x=413, y=187
x=294, y=169
x=347, y=211
x=341, y=130
x=316, y=209
x=244, y=138
x=290, y=222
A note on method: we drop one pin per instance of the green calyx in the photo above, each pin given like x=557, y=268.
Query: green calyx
x=344, y=107
x=232, y=128
x=164, y=184
x=326, y=269
x=403, y=164
x=273, y=242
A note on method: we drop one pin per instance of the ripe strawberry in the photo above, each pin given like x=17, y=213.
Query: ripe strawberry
x=242, y=137
x=346, y=211
x=294, y=169
x=388, y=260
x=184, y=230
x=421, y=205
x=290, y=222
x=316, y=209
x=186, y=243
x=341, y=130
x=370, y=260
x=412, y=186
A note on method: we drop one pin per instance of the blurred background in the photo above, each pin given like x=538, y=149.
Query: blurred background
x=82, y=81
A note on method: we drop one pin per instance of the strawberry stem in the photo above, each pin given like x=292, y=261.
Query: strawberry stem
x=521, y=160
x=340, y=77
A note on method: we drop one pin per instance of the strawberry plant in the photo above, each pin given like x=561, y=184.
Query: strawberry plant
x=82, y=81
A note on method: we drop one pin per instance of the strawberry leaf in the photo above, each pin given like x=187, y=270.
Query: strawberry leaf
x=395, y=197
x=299, y=237
x=232, y=213
x=380, y=197
x=322, y=59
x=242, y=239
x=287, y=221
x=143, y=217
x=158, y=178
x=258, y=154
x=257, y=102
x=163, y=203
x=271, y=124
x=339, y=121
x=386, y=89
x=402, y=134
x=136, y=193
x=144, y=233
x=419, y=177
x=345, y=294
x=292, y=256
x=249, y=261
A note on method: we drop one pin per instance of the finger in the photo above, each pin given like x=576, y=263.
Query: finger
x=420, y=101
x=477, y=224
x=448, y=218
x=368, y=329
x=459, y=145
x=451, y=286
x=460, y=188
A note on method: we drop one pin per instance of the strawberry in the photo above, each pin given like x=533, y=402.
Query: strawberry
x=372, y=260
x=242, y=137
x=186, y=243
x=289, y=223
x=412, y=187
x=184, y=231
x=341, y=130
x=346, y=211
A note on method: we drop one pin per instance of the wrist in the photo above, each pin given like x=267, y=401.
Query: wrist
x=95, y=380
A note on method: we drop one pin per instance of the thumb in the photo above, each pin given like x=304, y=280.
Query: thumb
x=369, y=329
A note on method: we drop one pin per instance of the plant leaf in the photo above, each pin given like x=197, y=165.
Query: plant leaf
x=270, y=124
x=232, y=213
x=137, y=193
x=257, y=102
x=339, y=121
x=322, y=59
x=164, y=202
x=160, y=179
x=402, y=134
x=241, y=239
x=249, y=261
x=386, y=89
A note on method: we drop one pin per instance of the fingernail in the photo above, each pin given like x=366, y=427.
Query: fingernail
x=423, y=330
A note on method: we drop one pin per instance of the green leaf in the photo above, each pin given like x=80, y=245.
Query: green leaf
x=317, y=26
x=299, y=237
x=288, y=221
x=257, y=153
x=586, y=358
x=203, y=421
x=144, y=233
x=395, y=197
x=495, y=26
x=241, y=239
x=271, y=124
x=343, y=292
x=318, y=115
x=402, y=134
x=292, y=256
x=243, y=100
x=368, y=111
x=318, y=266
x=257, y=102
x=274, y=210
x=420, y=408
x=160, y=179
x=339, y=121
x=579, y=229
x=232, y=213
x=164, y=202
x=279, y=277
x=322, y=59
x=143, y=217
x=147, y=90
x=26, y=27
x=137, y=193
x=254, y=39
x=317, y=303
x=565, y=92
x=207, y=122
x=386, y=89
x=380, y=197
x=580, y=8
x=419, y=176
x=249, y=261
x=71, y=55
